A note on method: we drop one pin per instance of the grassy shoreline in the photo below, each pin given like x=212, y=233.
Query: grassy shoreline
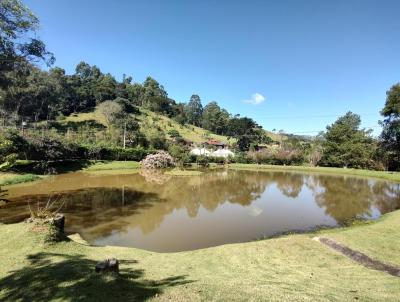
x=111, y=166
x=392, y=176
x=290, y=268
x=8, y=179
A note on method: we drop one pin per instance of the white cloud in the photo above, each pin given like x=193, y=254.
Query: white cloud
x=256, y=98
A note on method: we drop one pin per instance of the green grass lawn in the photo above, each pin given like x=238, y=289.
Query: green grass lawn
x=13, y=178
x=291, y=268
x=385, y=242
x=112, y=165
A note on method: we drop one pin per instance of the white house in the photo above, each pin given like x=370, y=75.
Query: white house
x=200, y=151
x=223, y=153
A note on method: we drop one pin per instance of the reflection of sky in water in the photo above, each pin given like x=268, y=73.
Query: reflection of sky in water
x=255, y=211
x=182, y=213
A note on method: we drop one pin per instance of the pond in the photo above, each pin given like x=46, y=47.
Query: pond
x=157, y=212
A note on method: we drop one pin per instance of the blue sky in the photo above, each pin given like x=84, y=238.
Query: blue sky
x=291, y=65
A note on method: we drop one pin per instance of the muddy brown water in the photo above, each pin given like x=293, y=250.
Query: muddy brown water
x=162, y=213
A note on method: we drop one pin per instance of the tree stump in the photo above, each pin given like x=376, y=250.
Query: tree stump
x=58, y=221
x=108, y=265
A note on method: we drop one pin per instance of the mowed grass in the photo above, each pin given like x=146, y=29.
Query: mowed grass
x=291, y=268
x=112, y=165
x=378, y=240
x=392, y=176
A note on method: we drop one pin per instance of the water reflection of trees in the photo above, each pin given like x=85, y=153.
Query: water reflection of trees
x=386, y=196
x=145, y=204
x=85, y=208
x=290, y=184
x=346, y=198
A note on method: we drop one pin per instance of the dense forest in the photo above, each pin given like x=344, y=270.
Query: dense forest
x=40, y=99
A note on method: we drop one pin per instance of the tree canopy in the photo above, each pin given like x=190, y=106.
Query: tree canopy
x=194, y=110
x=346, y=145
x=18, y=42
x=390, y=136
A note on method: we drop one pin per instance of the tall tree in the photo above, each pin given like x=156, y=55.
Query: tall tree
x=35, y=95
x=346, y=145
x=18, y=43
x=105, y=88
x=390, y=136
x=152, y=91
x=245, y=130
x=194, y=110
x=214, y=118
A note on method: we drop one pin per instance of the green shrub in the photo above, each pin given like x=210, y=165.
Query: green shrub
x=174, y=133
x=203, y=161
x=116, y=153
x=12, y=146
x=242, y=158
x=180, y=154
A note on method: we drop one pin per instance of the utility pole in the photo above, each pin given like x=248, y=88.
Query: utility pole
x=23, y=124
x=124, y=135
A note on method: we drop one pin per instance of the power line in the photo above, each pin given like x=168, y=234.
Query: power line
x=305, y=116
x=298, y=132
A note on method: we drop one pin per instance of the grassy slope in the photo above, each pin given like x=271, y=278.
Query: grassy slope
x=87, y=116
x=149, y=120
x=392, y=176
x=292, y=268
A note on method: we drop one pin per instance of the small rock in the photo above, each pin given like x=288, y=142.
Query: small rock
x=108, y=265
x=29, y=220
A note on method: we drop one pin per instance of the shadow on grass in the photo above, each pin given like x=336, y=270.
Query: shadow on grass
x=52, y=276
x=76, y=126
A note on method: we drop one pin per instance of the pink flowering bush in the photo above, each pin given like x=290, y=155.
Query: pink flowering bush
x=160, y=160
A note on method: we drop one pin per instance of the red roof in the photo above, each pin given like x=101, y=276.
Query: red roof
x=214, y=142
